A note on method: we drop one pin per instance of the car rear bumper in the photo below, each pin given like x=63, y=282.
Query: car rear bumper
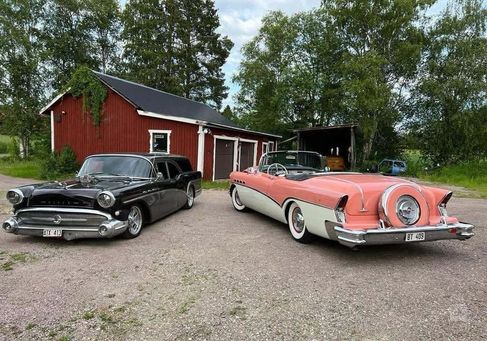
x=353, y=238
x=107, y=228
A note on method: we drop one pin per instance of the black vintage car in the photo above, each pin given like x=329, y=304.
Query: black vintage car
x=113, y=194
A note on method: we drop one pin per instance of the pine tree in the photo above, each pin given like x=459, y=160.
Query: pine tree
x=172, y=45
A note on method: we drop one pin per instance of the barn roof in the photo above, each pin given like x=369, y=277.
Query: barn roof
x=160, y=102
x=152, y=101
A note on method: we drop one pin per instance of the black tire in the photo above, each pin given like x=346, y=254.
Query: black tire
x=297, y=225
x=135, y=222
x=189, y=198
x=237, y=204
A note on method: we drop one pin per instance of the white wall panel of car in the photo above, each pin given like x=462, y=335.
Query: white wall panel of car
x=260, y=203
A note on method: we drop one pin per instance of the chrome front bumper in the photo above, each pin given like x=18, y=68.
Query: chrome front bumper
x=353, y=238
x=107, y=228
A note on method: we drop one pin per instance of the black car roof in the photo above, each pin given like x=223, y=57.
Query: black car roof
x=145, y=155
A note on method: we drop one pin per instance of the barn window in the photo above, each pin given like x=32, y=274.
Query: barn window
x=160, y=141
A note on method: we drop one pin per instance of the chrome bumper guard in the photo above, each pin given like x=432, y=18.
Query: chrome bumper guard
x=353, y=238
x=107, y=229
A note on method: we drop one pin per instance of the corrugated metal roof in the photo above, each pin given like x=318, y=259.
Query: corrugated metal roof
x=160, y=102
x=339, y=126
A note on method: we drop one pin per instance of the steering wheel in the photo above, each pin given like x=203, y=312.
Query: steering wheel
x=277, y=166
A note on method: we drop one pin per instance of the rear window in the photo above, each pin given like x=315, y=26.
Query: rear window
x=184, y=164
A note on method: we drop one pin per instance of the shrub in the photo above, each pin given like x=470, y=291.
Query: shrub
x=59, y=164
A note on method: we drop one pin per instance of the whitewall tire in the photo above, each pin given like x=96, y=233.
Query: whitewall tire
x=237, y=204
x=297, y=224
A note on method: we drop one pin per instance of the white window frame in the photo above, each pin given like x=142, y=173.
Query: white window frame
x=154, y=131
x=270, y=145
x=265, y=147
x=255, y=142
x=235, y=151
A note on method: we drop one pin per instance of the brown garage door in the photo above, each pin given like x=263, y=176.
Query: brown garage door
x=246, y=155
x=224, y=158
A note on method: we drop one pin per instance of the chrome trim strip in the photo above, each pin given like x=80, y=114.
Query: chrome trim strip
x=65, y=210
x=354, y=241
x=77, y=220
x=56, y=228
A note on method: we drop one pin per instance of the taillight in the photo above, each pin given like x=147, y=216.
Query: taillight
x=442, y=204
x=340, y=209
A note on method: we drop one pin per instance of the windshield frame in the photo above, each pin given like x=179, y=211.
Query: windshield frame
x=263, y=168
x=105, y=175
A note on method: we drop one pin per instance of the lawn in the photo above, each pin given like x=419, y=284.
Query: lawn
x=471, y=175
x=5, y=142
x=29, y=169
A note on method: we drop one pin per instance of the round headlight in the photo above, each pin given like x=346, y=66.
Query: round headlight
x=407, y=209
x=106, y=199
x=15, y=196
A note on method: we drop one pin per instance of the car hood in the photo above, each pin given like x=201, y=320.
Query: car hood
x=363, y=190
x=72, y=193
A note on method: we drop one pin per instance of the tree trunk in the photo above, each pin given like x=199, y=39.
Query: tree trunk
x=24, y=147
x=369, y=140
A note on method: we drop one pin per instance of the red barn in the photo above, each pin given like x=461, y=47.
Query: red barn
x=137, y=118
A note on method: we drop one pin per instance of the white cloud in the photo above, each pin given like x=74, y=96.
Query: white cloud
x=241, y=19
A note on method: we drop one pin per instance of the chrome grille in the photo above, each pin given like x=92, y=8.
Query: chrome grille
x=57, y=219
x=59, y=201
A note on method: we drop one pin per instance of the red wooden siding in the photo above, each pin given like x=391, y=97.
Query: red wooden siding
x=122, y=130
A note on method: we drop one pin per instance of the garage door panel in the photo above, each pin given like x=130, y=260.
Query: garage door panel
x=224, y=158
x=246, y=155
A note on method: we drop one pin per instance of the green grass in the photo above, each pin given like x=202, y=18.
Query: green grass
x=5, y=143
x=29, y=169
x=220, y=185
x=5, y=139
x=471, y=175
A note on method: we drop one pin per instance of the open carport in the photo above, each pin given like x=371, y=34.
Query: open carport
x=339, y=140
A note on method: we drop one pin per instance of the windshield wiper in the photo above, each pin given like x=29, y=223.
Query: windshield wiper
x=105, y=173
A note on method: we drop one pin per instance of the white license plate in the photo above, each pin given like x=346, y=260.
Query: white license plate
x=412, y=237
x=52, y=233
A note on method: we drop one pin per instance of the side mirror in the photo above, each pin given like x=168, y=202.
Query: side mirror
x=159, y=176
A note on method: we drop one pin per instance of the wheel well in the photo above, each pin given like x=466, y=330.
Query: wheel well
x=286, y=209
x=145, y=211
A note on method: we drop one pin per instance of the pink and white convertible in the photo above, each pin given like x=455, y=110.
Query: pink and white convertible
x=352, y=208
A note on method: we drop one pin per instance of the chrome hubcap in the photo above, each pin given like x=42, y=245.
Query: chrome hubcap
x=135, y=220
x=189, y=194
x=298, y=220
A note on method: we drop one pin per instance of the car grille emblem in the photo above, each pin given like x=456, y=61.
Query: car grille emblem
x=57, y=219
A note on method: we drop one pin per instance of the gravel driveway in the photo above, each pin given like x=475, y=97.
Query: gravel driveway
x=213, y=273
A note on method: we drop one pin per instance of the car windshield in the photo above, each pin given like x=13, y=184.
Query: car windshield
x=131, y=166
x=292, y=160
